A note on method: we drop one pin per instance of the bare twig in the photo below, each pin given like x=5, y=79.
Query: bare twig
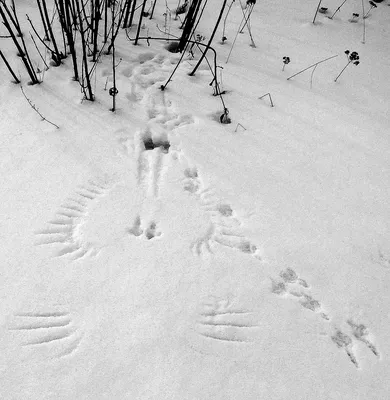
x=311, y=76
x=241, y=127
x=270, y=98
x=315, y=15
x=311, y=66
x=235, y=38
x=364, y=25
x=337, y=9
x=40, y=54
x=224, y=22
x=35, y=108
x=9, y=67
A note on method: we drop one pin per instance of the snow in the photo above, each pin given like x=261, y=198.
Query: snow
x=232, y=261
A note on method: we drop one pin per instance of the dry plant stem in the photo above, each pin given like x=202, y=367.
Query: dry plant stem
x=246, y=17
x=13, y=19
x=247, y=22
x=241, y=127
x=349, y=62
x=210, y=40
x=195, y=26
x=74, y=13
x=153, y=7
x=188, y=32
x=61, y=17
x=364, y=25
x=43, y=21
x=70, y=38
x=40, y=54
x=176, y=67
x=188, y=25
x=24, y=56
x=22, y=38
x=311, y=76
x=105, y=37
x=113, y=55
x=270, y=98
x=127, y=12
x=36, y=33
x=224, y=21
x=311, y=66
x=9, y=67
x=234, y=41
x=140, y=22
x=36, y=110
x=337, y=9
x=121, y=14
x=132, y=12
x=315, y=15
x=17, y=24
x=51, y=31
x=95, y=27
x=88, y=88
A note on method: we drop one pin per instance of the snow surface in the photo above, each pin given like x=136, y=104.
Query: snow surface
x=245, y=261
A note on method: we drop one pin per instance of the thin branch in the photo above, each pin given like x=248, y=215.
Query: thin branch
x=364, y=25
x=311, y=66
x=9, y=67
x=315, y=15
x=40, y=54
x=270, y=98
x=36, y=33
x=35, y=109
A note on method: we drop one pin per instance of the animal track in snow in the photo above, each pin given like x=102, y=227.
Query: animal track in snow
x=136, y=230
x=145, y=80
x=344, y=341
x=203, y=244
x=217, y=320
x=361, y=333
x=291, y=285
x=223, y=228
x=147, y=73
x=144, y=57
x=64, y=231
x=151, y=144
x=149, y=232
x=383, y=260
x=54, y=331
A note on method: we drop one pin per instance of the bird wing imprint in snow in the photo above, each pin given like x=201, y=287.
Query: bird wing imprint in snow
x=64, y=232
x=217, y=320
x=53, y=331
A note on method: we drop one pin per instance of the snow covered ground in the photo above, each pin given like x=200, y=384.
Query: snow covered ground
x=242, y=261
